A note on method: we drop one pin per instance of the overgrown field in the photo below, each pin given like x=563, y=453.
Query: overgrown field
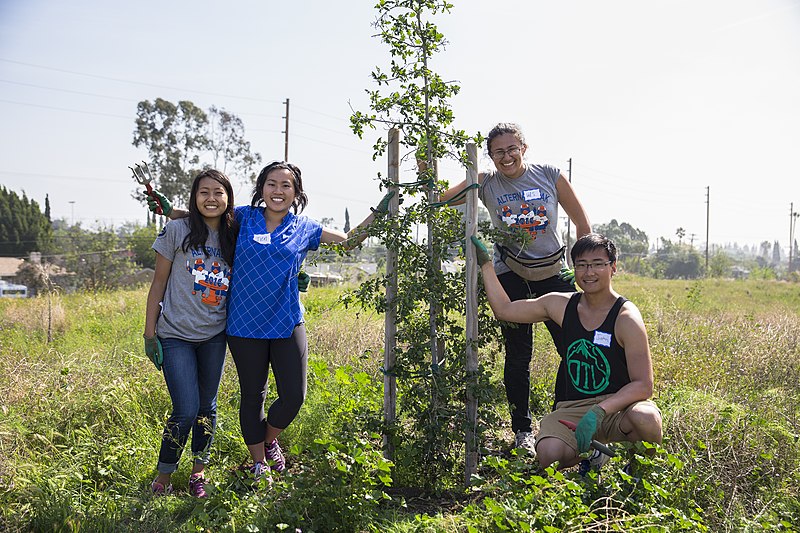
x=81, y=418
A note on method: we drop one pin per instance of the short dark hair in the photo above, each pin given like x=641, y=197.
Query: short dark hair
x=501, y=129
x=300, y=197
x=591, y=242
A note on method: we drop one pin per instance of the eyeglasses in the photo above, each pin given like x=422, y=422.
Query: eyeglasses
x=500, y=154
x=597, y=267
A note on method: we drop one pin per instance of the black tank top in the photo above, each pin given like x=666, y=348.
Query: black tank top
x=593, y=363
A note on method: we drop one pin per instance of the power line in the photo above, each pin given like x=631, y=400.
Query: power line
x=68, y=110
x=132, y=82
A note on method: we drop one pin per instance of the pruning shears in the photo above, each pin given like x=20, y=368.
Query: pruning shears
x=141, y=173
x=597, y=445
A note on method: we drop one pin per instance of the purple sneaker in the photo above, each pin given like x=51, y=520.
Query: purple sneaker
x=159, y=489
x=197, y=486
x=275, y=456
x=259, y=470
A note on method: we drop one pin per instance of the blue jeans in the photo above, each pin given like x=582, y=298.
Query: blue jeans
x=192, y=371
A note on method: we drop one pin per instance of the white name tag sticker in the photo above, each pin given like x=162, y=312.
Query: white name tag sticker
x=602, y=339
x=263, y=238
x=532, y=194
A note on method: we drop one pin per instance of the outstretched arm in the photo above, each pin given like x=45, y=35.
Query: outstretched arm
x=547, y=307
x=357, y=235
x=452, y=192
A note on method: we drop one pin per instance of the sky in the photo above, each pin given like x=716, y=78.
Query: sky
x=666, y=108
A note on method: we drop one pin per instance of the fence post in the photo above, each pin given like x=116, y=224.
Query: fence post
x=390, y=328
x=471, y=267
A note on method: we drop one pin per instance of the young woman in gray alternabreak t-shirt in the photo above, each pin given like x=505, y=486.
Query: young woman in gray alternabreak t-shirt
x=185, y=320
x=525, y=197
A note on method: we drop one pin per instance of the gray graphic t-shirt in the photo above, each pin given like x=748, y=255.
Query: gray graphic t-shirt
x=528, y=203
x=194, y=306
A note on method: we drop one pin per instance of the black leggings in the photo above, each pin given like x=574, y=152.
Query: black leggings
x=289, y=360
x=519, y=345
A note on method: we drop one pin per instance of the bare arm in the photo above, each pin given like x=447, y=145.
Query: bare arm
x=573, y=207
x=547, y=307
x=632, y=336
x=351, y=239
x=157, y=288
x=176, y=213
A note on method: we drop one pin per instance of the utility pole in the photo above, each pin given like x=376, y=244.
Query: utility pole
x=569, y=224
x=286, y=133
x=792, y=219
x=708, y=210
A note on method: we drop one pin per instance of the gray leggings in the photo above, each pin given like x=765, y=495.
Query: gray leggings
x=289, y=360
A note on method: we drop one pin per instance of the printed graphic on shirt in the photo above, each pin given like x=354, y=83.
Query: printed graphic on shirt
x=587, y=367
x=211, y=282
x=532, y=215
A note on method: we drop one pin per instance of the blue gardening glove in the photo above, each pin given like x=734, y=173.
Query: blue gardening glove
x=155, y=200
x=568, y=275
x=303, y=280
x=383, y=205
x=588, y=426
x=481, y=251
x=152, y=347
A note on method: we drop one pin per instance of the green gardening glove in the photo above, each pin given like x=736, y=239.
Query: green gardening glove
x=383, y=205
x=588, y=426
x=303, y=280
x=152, y=347
x=156, y=200
x=568, y=275
x=481, y=251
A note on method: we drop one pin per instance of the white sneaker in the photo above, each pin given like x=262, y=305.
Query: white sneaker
x=526, y=441
x=594, y=462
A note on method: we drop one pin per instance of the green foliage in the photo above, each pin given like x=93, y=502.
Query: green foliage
x=675, y=261
x=181, y=139
x=23, y=226
x=140, y=242
x=632, y=243
x=430, y=331
x=82, y=418
x=98, y=258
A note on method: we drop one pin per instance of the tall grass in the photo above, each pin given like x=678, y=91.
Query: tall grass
x=81, y=419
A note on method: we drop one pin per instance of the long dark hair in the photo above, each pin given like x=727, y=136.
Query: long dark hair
x=198, y=231
x=300, y=197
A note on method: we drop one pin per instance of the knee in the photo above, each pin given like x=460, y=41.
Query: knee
x=646, y=423
x=294, y=401
x=550, y=450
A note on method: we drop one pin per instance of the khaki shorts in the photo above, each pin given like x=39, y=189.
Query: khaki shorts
x=573, y=411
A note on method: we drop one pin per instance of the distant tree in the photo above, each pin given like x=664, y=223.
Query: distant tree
x=680, y=233
x=228, y=146
x=776, y=253
x=181, y=140
x=98, y=258
x=764, y=249
x=346, y=220
x=719, y=265
x=47, y=207
x=632, y=243
x=23, y=226
x=139, y=240
x=675, y=261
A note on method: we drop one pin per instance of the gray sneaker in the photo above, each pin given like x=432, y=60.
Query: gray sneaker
x=526, y=441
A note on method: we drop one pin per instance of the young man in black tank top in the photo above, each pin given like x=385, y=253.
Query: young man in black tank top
x=606, y=371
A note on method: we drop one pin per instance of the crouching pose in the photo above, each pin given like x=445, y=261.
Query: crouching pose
x=607, y=370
